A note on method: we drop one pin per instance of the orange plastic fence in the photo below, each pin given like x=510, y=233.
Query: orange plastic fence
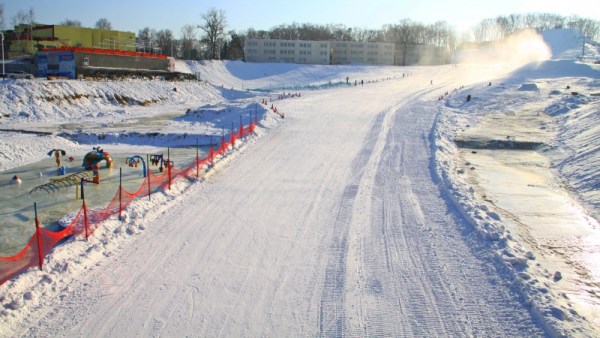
x=87, y=221
x=105, y=51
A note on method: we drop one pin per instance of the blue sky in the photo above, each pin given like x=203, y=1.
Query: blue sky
x=133, y=15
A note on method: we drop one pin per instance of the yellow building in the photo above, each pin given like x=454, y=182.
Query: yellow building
x=28, y=40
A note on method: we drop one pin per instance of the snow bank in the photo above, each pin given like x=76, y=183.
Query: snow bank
x=572, y=145
x=564, y=43
x=60, y=100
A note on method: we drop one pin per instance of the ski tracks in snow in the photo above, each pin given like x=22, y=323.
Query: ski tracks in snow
x=331, y=226
x=399, y=264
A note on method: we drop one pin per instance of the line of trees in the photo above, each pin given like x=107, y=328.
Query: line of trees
x=503, y=26
x=210, y=40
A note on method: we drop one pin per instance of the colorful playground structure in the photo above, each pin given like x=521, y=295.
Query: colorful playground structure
x=134, y=160
x=96, y=156
x=160, y=161
x=56, y=183
x=57, y=153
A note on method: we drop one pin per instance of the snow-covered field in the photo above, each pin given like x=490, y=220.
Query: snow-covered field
x=390, y=209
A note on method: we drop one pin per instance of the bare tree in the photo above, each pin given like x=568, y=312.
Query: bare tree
x=164, y=40
x=19, y=18
x=103, y=23
x=587, y=27
x=145, y=39
x=188, y=38
x=2, y=22
x=214, y=28
x=24, y=18
x=72, y=23
x=486, y=30
x=236, y=46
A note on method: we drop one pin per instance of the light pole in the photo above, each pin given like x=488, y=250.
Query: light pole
x=3, y=71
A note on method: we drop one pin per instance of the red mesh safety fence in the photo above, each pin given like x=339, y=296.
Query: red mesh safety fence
x=43, y=241
x=26, y=258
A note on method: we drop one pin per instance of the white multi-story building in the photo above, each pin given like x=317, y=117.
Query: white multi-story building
x=287, y=51
x=375, y=53
x=318, y=52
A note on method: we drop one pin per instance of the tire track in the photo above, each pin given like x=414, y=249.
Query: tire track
x=332, y=320
x=422, y=276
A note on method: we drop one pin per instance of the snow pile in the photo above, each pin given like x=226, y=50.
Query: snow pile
x=42, y=100
x=579, y=138
x=567, y=44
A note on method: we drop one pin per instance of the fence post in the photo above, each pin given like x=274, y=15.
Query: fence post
x=120, y=190
x=197, y=160
x=169, y=165
x=211, y=152
x=86, y=221
x=223, y=138
x=39, y=237
x=232, y=137
x=149, y=171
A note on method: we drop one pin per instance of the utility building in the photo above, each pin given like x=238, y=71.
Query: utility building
x=75, y=52
x=29, y=39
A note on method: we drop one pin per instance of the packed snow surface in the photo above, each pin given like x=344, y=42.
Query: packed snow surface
x=393, y=208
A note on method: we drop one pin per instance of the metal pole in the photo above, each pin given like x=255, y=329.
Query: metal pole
x=211, y=152
x=120, y=190
x=39, y=237
x=232, y=137
x=148, y=178
x=583, y=48
x=3, y=71
x=222, y=139
x=169, y=165
x=86, y=221
x=197, y=160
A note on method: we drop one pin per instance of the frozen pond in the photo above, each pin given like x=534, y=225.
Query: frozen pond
x=17, y=223
x=507, y=160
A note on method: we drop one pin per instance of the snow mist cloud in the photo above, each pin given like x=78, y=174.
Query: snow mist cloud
x=518, y=49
